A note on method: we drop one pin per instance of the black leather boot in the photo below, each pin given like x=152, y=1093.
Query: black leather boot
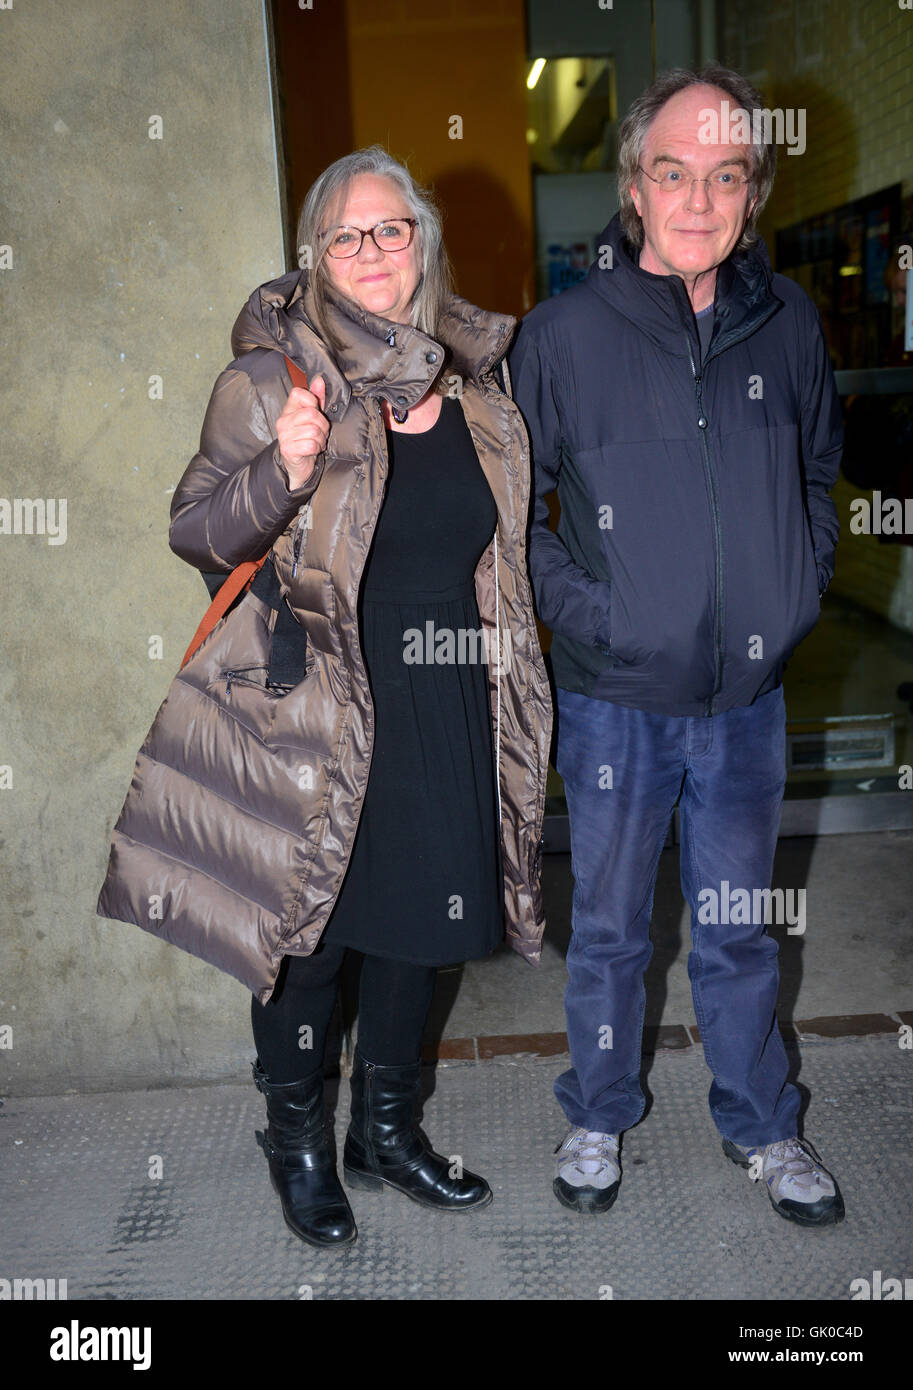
x=384, y=1145
x=302, y=1164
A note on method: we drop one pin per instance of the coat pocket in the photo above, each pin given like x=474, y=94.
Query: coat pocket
x=619, y=629
x=308, y=716
x=259, y=677
x=247, y=694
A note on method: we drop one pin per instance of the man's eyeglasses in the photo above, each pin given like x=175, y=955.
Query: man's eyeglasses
x=721, y=181
x=394, y=235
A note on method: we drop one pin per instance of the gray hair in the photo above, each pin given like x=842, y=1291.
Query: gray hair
x=632, y=136
x=329, y=192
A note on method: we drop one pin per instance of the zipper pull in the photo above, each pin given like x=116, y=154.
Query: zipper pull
x=698, y=391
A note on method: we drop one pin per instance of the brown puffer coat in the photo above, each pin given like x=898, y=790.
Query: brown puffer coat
x=238, y=825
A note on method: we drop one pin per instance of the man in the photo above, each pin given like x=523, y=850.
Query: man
x=682, y=401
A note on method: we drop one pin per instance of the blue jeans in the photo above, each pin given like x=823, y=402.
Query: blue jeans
x=623, y=770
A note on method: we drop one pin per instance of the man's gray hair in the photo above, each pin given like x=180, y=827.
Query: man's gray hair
x=322, y=206
x=632, y=137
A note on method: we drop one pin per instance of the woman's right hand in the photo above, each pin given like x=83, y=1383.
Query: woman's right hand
x=302, y=430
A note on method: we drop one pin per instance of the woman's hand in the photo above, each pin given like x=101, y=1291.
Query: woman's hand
x=302, y=430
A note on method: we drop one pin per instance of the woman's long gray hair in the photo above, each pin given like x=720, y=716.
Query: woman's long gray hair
x=327, y=195
x=632, y=136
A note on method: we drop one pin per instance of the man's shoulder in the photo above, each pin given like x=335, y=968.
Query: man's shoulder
x=793, y=296
x=562, y=314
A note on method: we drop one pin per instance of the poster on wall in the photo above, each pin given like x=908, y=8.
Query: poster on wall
x=877, y=254
x=849, y=284
x=841, y=257
x=568, y=264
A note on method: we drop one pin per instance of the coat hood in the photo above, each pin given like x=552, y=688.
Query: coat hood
x=379, y=357
x=659, y=304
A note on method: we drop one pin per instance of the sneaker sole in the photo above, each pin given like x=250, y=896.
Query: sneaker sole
x=589, y=1200
x=832, y=1216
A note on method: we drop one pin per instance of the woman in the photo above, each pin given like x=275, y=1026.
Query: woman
x=335, y=767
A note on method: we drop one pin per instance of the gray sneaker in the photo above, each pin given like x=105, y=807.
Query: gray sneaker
x=798, y=1184
x=588, y=1171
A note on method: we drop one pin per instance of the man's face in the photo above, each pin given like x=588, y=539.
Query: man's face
x=691, y=230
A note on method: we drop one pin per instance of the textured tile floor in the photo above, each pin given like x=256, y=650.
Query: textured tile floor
x=78, y=1202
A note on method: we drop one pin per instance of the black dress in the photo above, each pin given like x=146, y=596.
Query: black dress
x=423, y=882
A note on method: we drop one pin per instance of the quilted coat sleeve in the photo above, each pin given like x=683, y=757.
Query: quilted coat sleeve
x=233, y=500
x=569, y=600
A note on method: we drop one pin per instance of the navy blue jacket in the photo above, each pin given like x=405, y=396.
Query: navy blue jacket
x=697, y=532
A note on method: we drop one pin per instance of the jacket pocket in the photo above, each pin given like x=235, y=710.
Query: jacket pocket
x=309, y=716
x=620, y=643
x=259, y=678
x=811, y=607
x=248, y=696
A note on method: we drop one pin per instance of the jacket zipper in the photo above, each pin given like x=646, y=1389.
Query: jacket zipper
x=498, y=670
x=239, y=673
x=505, y=399
x=703, y=426
x=497, y=730
x=720, y=346
x=239, y=676
x=369, y=1115
x=299, y=536
x=375, y=424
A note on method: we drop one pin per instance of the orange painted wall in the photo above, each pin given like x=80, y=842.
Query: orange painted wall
x=312, y=63
x=413, y=65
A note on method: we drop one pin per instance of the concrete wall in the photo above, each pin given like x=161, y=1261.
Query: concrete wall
x=130, y=259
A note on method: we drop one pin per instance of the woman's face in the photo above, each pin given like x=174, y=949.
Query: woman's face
x=382, y=282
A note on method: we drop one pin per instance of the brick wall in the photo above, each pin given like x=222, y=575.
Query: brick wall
x=849, y=64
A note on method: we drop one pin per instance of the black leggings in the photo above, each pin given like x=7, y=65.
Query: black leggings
x=393, y=1003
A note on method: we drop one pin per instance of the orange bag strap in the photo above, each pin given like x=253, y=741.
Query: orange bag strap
x=242, y=576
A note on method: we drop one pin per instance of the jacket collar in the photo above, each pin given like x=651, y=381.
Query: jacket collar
x=379, y=358
x=659, y=304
